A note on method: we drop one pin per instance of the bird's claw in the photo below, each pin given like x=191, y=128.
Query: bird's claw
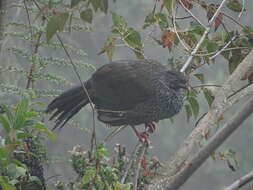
x=151, y=127
x=143, y=137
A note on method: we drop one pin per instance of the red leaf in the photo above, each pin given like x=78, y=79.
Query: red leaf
x=167, y=38
x=186, y=3
x=218, y=21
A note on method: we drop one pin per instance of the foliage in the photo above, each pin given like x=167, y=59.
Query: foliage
x=106, y=171
x=53, y=19
x=36, y=57
x=19, y=124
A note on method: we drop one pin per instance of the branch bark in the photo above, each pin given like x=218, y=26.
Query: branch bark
x=191, y=143
x=212, y=145
x=241, y=182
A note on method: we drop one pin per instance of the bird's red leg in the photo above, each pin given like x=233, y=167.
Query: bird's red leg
x=151, y=127
x=143, y=136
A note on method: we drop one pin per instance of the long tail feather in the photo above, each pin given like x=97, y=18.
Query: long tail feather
x=67, y=105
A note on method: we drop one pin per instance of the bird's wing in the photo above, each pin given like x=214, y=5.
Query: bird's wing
x=123, y=84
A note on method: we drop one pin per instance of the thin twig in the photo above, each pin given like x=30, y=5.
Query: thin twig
x=36, y=46
x=114, y=132
x=130, y=162
x=192, y=15
x=93, y=138
x=243, y=8
x=233, y=19
x=241, y=182
x=175, y=30
x=188, y=62
x=222, y=49
x=137, y=170
x=204, y=85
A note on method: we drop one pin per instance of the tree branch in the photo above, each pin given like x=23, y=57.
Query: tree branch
x=181, y=177
x=213, y=144
x=203, y=37
x=219, y=106
x=241, y=182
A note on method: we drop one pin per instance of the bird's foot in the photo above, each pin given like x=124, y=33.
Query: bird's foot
x=151, y=127
x=143, y=136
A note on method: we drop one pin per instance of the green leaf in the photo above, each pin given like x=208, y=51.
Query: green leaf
x=169, y=4
x=162, y=20
x=7, y=186
x=208, y=96
x=197, y=28
x=8, y=113
x=149, y=20
x=56, y=23
x=119, y=23
x=89, y=174
x=194, y=106
x=5, y=124
x=133, y=38
x=87, y=15
x=211, y=46
x=31, y=114
x=75, y=2
x=234, y=5
x=15, y=171
x=188, y=112
x=200, y=76
x=43, y=129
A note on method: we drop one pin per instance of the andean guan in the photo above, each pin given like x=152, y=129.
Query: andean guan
x=125, y=92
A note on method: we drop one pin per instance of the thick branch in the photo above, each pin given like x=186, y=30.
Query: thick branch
x=219, y=106
x=212, y=145
x=241, y=182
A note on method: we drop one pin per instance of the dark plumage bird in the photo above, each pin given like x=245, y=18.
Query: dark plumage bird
x=126, y=92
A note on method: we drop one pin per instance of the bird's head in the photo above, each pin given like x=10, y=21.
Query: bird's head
x=177, y=80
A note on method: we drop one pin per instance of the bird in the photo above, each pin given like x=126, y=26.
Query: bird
x=125, y=92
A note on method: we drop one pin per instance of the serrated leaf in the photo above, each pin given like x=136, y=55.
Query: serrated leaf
x=162, y=20
x=118, y=21
x=200, y=76
x=208, y=96
x=133, y=38
x=188, y=112
x=194, y=106
x=87, y=15
x=56, y=23
x=75, y=2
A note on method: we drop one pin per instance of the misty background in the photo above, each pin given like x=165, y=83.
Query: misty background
x=214, y=174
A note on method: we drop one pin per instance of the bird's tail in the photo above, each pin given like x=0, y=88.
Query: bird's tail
x=67, y=105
